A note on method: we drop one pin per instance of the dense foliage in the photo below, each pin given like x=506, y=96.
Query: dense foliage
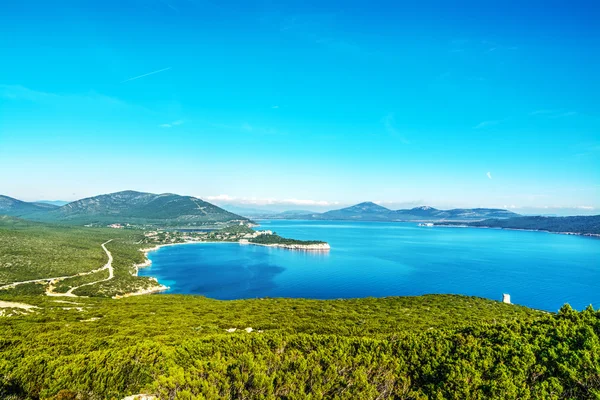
x=276, y=239
x=585, y=225
x=178, y=347
x=175, y=346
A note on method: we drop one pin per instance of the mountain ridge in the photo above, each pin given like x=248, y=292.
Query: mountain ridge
x=370, y=211
x=125, y=207
x=18, y=208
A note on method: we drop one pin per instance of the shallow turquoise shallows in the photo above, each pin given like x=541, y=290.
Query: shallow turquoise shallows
x=537, y=269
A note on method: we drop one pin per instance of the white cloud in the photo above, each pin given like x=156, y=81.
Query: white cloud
x=247, y=127
x=489, y=175
x=220, y=197
x=275, y=107
x=269, y=201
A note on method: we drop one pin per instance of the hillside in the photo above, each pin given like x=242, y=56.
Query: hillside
x=40, y=252
x=369, y=211
x=457, y=214
x=584, y=225
x=139, y=209
x=366, y=211
x=17, y=208
x=187, y=347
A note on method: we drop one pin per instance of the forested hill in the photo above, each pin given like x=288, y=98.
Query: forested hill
x=369, y=211
x=584, y=225
x=17, y=208
x=129, y=207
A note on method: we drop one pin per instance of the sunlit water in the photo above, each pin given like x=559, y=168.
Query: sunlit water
x=537, y=269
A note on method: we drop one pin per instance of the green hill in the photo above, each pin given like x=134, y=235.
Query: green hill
x=18, y=208
x=366, y=211
x=369, y=211
x=583, y=224
x=139, y=209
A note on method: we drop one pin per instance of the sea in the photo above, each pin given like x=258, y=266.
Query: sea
x=378, y=259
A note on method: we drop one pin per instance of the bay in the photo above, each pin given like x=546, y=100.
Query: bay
x=538, y=269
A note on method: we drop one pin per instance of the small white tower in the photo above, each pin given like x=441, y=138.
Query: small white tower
x=506, y=298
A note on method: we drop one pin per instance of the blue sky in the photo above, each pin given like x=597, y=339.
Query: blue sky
x=304, y=104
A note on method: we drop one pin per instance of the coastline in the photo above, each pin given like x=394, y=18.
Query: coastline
x=302, y=247
x=592, y=235
x=322, y=247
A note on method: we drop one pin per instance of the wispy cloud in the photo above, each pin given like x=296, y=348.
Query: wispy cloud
x=224, y=198
x=275, y=107
x=171, y=6
x=554, y=113
x=147, y=74
x=248, y=127
x=489, y=175
x=22, y=93
x=172, y=124
x=485, y=124
x=389, y=123
x=318, y=28
x=478, y=46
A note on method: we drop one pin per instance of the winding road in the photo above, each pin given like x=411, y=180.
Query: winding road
x=69, y=293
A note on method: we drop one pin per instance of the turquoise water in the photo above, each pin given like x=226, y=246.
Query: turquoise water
x=537, y=269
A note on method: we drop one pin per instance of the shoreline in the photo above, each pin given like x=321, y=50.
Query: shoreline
x=592, y=235
x=300, y=247
x=324, y=247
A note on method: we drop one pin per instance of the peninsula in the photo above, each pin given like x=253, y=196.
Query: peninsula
x=241, y=233
x=575, y=225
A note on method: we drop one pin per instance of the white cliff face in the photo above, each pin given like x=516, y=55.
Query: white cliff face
x=309, y=247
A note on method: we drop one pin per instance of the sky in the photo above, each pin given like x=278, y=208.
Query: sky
x=304, y=104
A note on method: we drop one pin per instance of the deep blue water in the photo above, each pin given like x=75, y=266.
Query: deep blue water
x=537, y=269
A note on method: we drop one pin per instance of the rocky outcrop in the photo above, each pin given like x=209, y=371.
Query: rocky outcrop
x=305, y=247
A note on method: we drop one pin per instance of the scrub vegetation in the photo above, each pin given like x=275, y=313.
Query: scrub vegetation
x=35, y=251
x=185, y=347
x=190, y=347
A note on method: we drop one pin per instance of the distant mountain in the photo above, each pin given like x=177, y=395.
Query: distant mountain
x=457, y=214
x=125, y=207
x=18, y=208
x=583, y=225
x=57, y=203
x=369, y=211
x=247, y=211
x=291, y=213
x=366, y=211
